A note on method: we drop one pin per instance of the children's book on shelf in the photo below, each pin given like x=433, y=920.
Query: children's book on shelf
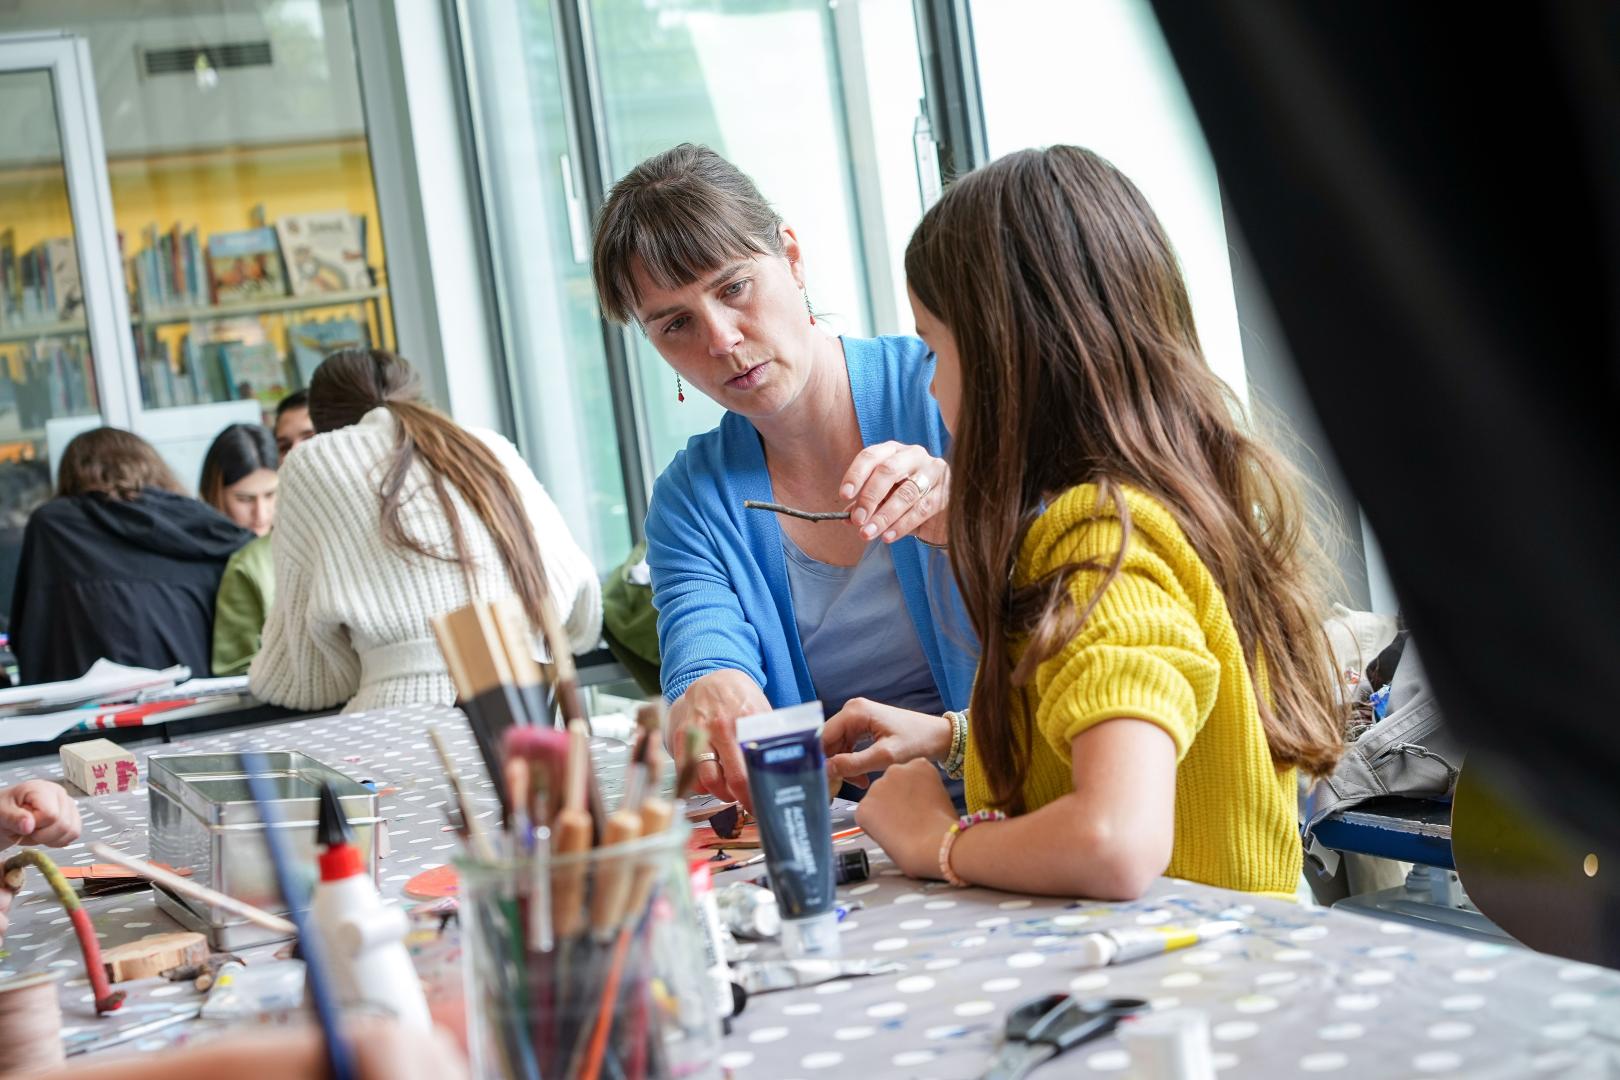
x=255, y=371
x=244, y=266
x=325, y=252
x=64, y=291
x=313, y=342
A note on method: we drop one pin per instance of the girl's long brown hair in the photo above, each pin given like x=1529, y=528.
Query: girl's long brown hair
x=1080, y=364
x=352, y=382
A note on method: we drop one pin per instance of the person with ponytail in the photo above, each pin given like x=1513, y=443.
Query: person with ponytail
x=393, y=514
x=1139, y=568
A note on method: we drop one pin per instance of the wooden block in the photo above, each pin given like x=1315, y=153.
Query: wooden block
x=153, y=955
x=99, y=766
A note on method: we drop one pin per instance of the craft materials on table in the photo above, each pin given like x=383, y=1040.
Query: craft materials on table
x=362, y=939
x=107, y=999
x=787, y=780
x=1040, y=1029
x=30, y=1023
x=99, y=766
x=171, y=879
x=577, y=950
x=338, y=1057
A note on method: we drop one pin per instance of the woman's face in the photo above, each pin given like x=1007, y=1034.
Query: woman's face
x=947, y=384
x=738, y=334
x=251, y=501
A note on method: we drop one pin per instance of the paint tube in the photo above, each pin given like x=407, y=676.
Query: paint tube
x=1122, y=946
x=764, y=976
x=748, y=911
x=787, y=779
x=714, y=949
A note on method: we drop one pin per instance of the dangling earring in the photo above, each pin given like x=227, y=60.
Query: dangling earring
x=808, y=308
x=680, y=392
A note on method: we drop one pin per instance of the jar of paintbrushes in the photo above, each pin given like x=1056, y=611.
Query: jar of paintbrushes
x=587, y=964
x=583, y=956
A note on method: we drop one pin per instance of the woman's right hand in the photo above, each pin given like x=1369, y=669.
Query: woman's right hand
x=713, y=703
x=898, y=735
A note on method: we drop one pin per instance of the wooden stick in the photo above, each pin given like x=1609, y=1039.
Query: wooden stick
x=190, y=888
x=807, y=515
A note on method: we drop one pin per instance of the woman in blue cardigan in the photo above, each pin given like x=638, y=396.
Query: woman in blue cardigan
x=757, y=611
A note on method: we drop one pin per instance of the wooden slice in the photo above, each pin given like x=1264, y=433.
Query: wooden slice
x=153, y=954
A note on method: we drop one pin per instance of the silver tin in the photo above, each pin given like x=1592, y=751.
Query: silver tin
x=203, y=817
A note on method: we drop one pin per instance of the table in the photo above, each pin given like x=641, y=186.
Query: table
x=1306, y=991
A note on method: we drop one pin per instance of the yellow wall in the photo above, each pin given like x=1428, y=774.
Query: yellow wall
x=214, y=191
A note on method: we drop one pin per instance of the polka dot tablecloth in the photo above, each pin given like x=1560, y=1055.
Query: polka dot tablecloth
x=1304, y=992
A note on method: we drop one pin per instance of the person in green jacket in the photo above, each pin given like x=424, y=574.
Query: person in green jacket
x=239, y=480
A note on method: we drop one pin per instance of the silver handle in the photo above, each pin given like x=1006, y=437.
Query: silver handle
x=578, y=228
x=930, y=184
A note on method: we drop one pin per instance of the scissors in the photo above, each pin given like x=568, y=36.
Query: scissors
x=1042, y=1028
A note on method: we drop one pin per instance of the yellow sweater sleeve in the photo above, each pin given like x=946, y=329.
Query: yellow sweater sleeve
x=1140, y=655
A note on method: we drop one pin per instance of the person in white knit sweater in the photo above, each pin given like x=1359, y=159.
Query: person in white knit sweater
x=391, y=515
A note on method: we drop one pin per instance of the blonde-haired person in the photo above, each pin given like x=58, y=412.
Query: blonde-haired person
x=1138, y=567
x=121, y=564
x=757, y=611
x=393, y=514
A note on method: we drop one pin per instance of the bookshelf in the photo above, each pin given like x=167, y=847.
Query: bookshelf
x=174, y=316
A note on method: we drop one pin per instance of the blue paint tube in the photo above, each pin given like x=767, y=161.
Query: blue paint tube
x=787, y=779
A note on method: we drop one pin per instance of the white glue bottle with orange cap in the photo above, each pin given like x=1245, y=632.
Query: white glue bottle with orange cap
x=364, y=938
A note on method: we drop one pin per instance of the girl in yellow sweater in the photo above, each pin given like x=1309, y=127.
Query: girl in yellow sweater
x=1139, y=570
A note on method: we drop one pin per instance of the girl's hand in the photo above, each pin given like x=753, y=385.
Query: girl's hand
x=714, y=703
x=898, y=490
x=908, y=813
x=38, y=812
x=898, y=735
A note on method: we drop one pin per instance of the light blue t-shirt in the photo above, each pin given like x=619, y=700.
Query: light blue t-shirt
x=858, y=639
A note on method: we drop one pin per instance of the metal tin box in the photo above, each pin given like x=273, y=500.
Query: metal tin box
x=203, y=817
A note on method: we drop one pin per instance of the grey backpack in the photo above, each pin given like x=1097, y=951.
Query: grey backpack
x=1408, y=753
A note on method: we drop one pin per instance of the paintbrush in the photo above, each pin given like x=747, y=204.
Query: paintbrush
x=571, y=835
x=477, y=840
x=451, y=646
x=512, y=629
x=686, y=777
x=566, y=684
x=317, y=976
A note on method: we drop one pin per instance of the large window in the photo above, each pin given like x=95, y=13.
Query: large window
x=821, y=115
x=1098, y=74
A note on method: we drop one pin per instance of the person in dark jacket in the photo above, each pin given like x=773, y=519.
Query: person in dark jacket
x=121, y=564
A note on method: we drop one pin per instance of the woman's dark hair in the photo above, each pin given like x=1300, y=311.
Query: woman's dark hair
x=678, y=215
x=112, y=462
x=1081, y=364
x=240, y=450
x=351, y=383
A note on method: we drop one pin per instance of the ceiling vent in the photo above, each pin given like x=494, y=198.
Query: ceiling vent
x=182, y=60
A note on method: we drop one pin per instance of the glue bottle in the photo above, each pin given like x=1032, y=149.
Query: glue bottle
x=364, y=939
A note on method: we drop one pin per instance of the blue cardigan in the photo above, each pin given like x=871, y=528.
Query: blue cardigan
x=718, y=573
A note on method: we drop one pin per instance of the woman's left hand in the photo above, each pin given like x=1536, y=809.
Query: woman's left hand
x=908, y=813
x=898, y=490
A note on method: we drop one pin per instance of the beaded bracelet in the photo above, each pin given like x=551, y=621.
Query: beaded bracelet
x=963, y=824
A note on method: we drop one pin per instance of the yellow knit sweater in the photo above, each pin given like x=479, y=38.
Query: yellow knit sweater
x=1161, y=647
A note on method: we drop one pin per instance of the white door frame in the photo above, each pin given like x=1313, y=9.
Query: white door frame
x=84, y=164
